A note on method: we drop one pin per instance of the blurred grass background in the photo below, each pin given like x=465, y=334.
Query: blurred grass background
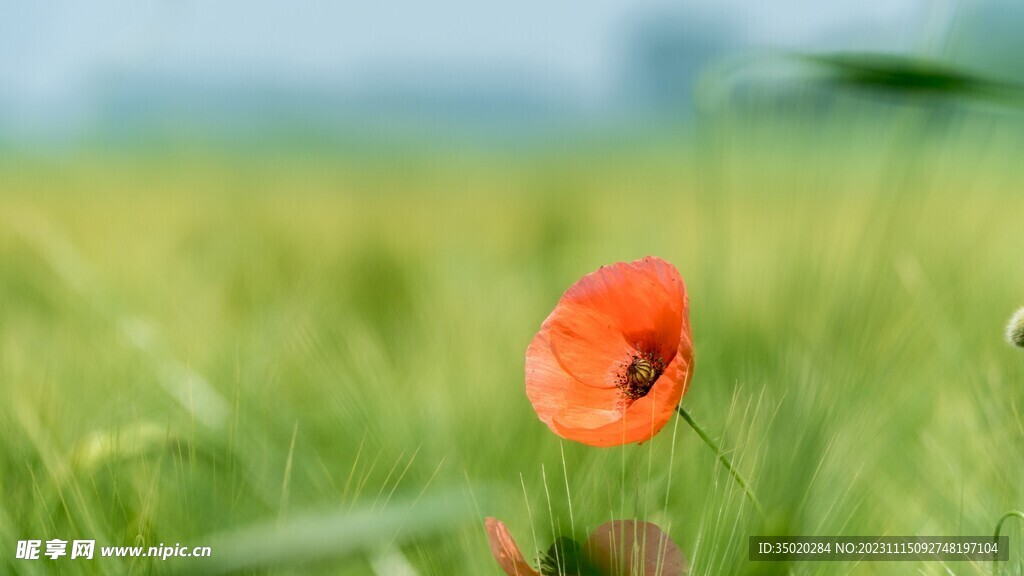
x=240, y=350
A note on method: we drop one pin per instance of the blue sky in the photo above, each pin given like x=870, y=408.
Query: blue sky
x=54, y=54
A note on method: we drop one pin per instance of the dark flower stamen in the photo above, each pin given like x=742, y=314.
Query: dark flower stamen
x=565, y=557
x=641, y=374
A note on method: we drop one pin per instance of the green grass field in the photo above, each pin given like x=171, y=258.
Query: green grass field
x=314, y=363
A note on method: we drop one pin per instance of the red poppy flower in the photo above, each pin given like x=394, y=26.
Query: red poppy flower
x=616, y=548
x=611, y=362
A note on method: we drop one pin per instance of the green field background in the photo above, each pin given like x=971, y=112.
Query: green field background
x=312, y=361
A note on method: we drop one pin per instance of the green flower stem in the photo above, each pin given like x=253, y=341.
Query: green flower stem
x=721, y=457
x=999, y=529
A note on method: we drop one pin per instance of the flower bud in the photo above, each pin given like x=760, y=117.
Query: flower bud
x=1015, y=329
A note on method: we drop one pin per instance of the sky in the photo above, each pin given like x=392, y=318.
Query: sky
x=55, y=54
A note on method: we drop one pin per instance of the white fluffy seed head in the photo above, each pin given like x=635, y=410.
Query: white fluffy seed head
x=1015, y=329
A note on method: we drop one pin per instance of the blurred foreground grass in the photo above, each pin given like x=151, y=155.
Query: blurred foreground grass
x=320, y=357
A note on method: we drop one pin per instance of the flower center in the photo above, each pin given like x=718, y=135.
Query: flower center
x=566, y=557
x=640, y=375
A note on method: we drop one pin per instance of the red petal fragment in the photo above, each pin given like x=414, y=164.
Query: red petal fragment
x=505, y=550
x=634, y=548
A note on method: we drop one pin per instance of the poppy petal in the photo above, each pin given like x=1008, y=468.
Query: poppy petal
x=557, y=395
x=633, y=548
x=607, y=315
x=505, y=550
x=643, y=418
